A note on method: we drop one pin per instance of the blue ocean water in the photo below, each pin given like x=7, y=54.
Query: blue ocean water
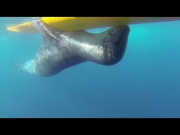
x=145, y=84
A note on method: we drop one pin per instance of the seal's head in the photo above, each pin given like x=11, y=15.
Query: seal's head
x=115, y=43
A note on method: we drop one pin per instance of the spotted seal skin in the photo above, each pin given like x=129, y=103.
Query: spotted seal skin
x=69, y=48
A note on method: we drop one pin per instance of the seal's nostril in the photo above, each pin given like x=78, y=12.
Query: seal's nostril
x=125, y=28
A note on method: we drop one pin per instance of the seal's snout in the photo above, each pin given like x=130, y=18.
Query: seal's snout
x=121, y=41
x=124, y=28
x=118, y=37
x=123, y=31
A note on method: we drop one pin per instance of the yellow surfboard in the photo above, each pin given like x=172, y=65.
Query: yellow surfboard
x=83, y=23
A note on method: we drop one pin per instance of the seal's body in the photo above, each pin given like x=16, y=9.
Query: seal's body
x=70, y=48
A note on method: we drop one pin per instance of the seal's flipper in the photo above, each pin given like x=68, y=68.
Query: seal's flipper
x=19, y=67
x=23, y=60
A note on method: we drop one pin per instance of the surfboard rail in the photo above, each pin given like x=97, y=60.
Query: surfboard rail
x=83, y=23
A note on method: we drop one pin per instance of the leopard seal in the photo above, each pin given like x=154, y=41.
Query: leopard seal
x=68, y=48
